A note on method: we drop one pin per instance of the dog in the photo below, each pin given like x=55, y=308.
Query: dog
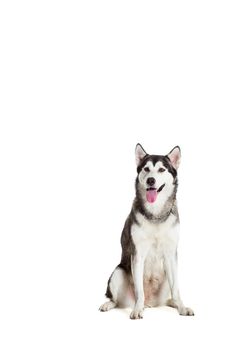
x=147, y=273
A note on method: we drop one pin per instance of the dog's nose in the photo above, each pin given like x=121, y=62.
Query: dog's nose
x=150, y=181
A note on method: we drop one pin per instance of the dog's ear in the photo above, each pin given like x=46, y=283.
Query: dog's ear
x=140, y=153
x=175, y=156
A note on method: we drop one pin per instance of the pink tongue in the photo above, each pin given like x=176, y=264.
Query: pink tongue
x=151, y=196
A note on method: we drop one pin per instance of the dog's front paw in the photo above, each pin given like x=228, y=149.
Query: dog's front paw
x=185, y=311
x=136, y=314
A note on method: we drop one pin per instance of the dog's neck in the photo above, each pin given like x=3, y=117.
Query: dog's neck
x=159, y=211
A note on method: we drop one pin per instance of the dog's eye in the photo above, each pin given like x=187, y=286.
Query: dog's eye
x=161, y=170
x=147, y=169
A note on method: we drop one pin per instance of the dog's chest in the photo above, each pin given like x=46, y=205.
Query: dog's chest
x=153, y=241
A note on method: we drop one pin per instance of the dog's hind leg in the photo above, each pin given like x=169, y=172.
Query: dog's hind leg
x=107, y=306
x=118, y=291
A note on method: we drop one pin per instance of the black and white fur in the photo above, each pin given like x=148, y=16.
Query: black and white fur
x=147, y=273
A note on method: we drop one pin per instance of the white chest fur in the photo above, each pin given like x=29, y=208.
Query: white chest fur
x=154, y=241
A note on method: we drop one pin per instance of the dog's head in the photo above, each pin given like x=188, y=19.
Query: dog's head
x=157, y=175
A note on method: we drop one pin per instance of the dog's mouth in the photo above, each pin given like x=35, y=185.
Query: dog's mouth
x=152, y=193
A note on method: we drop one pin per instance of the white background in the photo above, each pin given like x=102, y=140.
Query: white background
x=81, y=83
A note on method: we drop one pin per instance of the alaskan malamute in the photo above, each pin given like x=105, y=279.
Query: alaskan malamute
x=147, y=273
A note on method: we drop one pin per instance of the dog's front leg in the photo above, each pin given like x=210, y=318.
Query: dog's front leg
x=170, y=262
x=137, y=267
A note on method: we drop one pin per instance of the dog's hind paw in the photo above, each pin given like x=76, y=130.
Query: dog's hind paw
x=107, y=306
x=186, y=311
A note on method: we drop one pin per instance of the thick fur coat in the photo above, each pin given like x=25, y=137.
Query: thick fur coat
x=147, y=273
